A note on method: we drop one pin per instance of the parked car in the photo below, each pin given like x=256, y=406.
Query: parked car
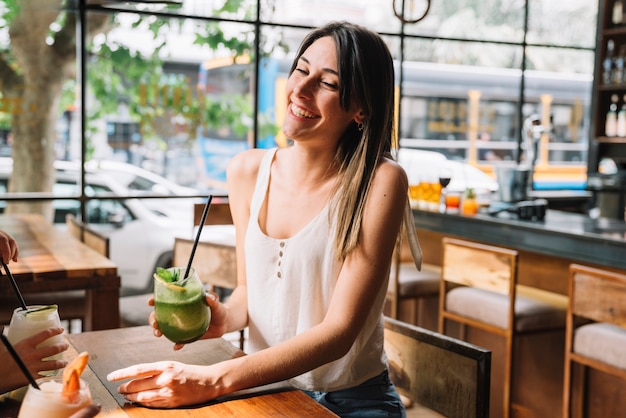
x=141, y=231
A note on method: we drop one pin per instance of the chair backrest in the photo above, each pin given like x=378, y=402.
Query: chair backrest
x=215, y=263
x=219, y=213
x=598, y=295
x=93, y=239
x=97, y=241
x=479, y=265
x=442, y=373
x=214, y=259
x=74, y=226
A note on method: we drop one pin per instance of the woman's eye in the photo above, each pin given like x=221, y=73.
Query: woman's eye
x=300, y=70
x=330, y=85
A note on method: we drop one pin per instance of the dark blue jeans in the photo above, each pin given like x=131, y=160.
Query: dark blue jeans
x=376, y=397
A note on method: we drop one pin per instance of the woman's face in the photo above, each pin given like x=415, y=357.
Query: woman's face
x=313, y=105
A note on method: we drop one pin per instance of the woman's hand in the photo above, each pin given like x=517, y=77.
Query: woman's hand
x=165, y=384
x=33, y=356
x=12, y=377
x=8, y=247
x=217, y=328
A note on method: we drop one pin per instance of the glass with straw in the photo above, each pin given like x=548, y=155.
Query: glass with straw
x=29, y=320
x=180, y=307
x=50, y=397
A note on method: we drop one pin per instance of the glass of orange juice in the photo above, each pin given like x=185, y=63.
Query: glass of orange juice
x=453, y=201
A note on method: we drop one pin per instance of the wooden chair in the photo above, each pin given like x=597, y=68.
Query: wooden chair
x=444, y=374
x=479, y=290
x=595, y=333
x=406, y=283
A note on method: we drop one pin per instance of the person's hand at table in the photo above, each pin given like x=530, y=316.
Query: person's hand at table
x=8, y=247
x=166, y=384
x=33, y=357
x=218, y=318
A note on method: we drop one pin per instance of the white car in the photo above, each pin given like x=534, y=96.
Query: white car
x=141, y=231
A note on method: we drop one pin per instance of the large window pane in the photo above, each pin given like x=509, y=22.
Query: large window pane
x=560, y=22
x=245, y=10
x=447, y=105
x=496, y=21
x=374, y=14
x=171, y=98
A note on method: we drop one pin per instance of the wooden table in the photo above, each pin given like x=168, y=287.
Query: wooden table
x=113, y=349
x=50, y=260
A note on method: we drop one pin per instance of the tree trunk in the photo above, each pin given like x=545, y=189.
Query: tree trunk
x=44, y=61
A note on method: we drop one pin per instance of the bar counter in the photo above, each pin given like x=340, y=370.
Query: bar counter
x=546, y=247
x=545, y=251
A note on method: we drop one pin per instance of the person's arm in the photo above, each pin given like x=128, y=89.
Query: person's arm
x=365, y=270
x=8, y=247
x=33, y=358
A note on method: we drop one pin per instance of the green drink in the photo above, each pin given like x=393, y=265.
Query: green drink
x=180, y=306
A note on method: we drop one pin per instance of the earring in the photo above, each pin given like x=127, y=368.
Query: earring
x=360, y=126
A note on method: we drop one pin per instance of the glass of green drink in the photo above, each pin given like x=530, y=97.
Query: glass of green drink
x=180, y=307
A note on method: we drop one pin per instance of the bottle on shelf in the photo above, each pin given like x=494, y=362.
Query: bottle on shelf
x=607, y=64
x=610, y=128
x=618, y=66
x=618, y=13
x=621, y=120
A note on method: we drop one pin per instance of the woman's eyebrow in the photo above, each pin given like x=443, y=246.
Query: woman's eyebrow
x=328, y=70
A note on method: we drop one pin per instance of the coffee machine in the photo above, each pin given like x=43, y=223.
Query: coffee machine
x=515, y=181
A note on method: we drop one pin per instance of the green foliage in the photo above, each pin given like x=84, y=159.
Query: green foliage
x=118, y=74
x=12, y=9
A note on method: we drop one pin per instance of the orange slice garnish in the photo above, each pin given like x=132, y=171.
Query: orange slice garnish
x=71, y=376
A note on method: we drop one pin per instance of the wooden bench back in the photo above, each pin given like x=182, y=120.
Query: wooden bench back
x=90, y=237
x=441, y=373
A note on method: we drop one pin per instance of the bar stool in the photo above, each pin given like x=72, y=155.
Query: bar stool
x=479, y=290
x=595, y=332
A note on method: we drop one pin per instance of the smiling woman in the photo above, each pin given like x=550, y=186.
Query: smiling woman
x=313, y=305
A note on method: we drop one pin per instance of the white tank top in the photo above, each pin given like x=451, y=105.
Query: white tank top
x=290, y=283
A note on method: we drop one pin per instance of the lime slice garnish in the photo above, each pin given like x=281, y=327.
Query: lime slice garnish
x=41, y=310
x=169, y=285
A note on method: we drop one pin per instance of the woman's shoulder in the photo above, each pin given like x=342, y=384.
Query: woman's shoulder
x=390, y=171
x=246, y=162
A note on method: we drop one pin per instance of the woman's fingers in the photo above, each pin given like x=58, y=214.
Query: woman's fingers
x=133, y=372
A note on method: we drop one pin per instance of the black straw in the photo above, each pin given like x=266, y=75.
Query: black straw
x=19, y=361
x=195, y=243
x=14, y=284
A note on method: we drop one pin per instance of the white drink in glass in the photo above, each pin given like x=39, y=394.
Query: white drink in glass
x=25, y=323
x=49, y=401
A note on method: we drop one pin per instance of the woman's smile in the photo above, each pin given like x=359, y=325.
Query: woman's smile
x=301, y=112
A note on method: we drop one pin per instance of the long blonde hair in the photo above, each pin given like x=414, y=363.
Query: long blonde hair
x=366, y=77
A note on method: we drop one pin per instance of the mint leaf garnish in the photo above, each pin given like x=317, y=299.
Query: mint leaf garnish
x=168, y=276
